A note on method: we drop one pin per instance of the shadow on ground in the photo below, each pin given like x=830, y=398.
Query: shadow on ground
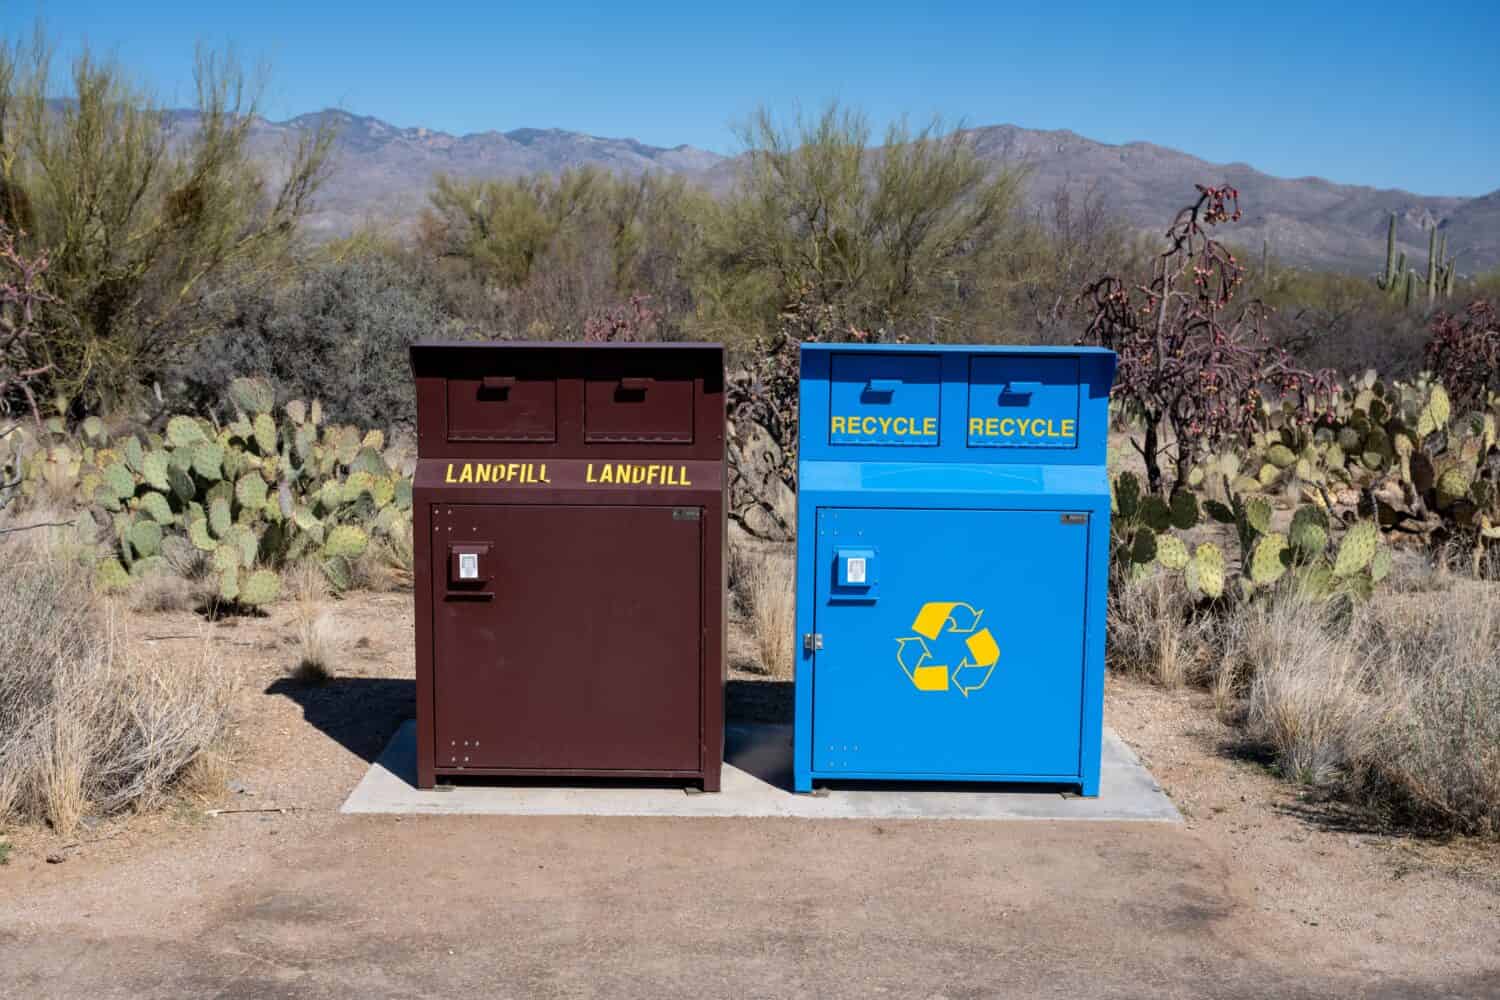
x=1329, y=808
x=359, y=713
x=363, y=713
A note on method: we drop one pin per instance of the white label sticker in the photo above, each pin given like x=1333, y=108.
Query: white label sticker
x=856, y=569
x=468, y=565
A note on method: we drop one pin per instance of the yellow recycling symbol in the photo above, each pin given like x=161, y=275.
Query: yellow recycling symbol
x=955, y=618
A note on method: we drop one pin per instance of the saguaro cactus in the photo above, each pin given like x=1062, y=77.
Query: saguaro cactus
x=1399, y=280
x=1392, y=269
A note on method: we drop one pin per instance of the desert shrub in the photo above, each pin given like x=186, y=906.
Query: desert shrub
x=85, y=725
x=763, y=408
x=902, y=239
x=1194, y=365
x=339, y=333
x=552, y=257
x=140, y=212
x=1464, y=352
x=1342, y=322
x=1073, y=234
x=26, y=311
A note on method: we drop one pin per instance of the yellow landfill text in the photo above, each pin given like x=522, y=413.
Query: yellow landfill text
x=498, y=472
x=637, y=474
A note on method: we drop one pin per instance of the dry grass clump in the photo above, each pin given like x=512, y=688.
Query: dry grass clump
x=1439, y=662
x=1154, y=630
x=768, y=590
x=1311, y=696
x=166, y=592
x=304, y=584
x=186, y=583
x=386, y=564
x=1394, y=703
x=85, y=725
x=318, y=647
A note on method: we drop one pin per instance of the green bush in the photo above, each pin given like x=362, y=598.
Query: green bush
x=338, y=333
x=138, y=217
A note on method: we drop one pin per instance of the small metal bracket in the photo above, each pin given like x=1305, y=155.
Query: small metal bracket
x=1075, y=519
x=686, y=514
x=812, y=642
x=443, y=788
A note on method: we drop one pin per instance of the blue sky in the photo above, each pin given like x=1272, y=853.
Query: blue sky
x=1387, y=94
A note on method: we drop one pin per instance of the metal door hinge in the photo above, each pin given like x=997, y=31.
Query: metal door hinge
x=1075, y=519
x=812, y=642
x=686, y=514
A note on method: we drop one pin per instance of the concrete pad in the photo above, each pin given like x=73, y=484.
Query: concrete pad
x=757, y=782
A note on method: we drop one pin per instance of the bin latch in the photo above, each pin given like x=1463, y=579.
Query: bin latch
x=812, y=642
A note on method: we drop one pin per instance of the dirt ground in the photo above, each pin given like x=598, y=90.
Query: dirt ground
x=1262, y=893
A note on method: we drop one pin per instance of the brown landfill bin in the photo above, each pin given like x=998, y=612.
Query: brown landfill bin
x=569, y=514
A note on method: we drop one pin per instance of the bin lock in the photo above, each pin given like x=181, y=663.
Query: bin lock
x=470, y=570
x=856, y=573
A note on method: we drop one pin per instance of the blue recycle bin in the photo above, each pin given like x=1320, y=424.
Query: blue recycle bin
x=952, y=560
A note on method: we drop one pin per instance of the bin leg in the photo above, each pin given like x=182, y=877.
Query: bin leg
x=801, y=781
x=1089, y=787
x=712, y=779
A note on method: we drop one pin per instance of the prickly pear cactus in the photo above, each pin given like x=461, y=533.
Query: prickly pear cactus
x=1258, y=514
x=1205, y=573
x=1172, y=552
x=260, y=587
x=1308, y=535
x=1357, y=549
x=252, y=395
x=1268, y=560
x=247, y=496
x=346, y=541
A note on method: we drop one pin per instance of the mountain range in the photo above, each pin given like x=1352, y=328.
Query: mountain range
x=382, y=174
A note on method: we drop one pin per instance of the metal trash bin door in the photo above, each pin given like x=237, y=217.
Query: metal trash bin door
x=566, y=586
x=957, y=652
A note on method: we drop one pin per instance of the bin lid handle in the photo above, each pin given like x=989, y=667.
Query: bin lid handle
x=882, y=385
x=498, y=381
x=636, y=382
x=1023, y=388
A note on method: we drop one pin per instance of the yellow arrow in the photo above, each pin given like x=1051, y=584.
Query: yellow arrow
x=932, y=618
x=983, y=648
x=958, y=675
x=973, y=614
x=925, y=676
x=986, y=653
